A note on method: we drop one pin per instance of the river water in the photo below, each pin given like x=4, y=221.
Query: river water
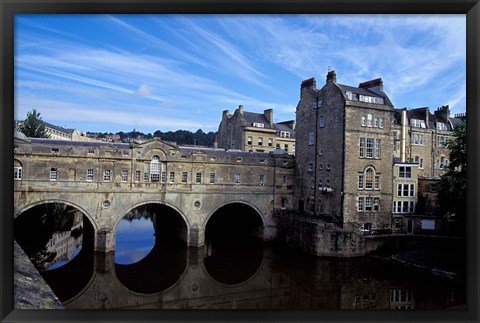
x=145, y=272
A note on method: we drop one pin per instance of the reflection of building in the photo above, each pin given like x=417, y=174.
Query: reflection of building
x=401, y=299
x=255, y=132
x=63, y=243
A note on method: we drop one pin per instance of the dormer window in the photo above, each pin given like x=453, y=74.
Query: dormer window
x=417, y=123
x=441, y=126
x=258, y=125
x=284, y=134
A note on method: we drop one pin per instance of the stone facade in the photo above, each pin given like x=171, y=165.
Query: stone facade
x=105, y=181
x=255, y=132
x=351, y=143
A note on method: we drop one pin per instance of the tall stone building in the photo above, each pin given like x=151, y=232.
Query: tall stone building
x=359, y=160
x=255, y=132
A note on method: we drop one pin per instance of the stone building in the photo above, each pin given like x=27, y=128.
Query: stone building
x=61, y=133
x=255, y=132
x=359, y=160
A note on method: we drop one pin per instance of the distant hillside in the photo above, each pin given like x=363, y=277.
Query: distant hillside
x=180, y=137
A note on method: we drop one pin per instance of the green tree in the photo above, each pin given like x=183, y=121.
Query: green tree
x=34, y=126
x=452, y=188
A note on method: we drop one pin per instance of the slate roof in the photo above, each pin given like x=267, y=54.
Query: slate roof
x=283, y=127
x=359, y=90
x=58, y=128
x=251, y=117
x=56, y=142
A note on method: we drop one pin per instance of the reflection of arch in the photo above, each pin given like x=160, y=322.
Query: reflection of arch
x=161, y=270
x=236, y=285
x=78, y=207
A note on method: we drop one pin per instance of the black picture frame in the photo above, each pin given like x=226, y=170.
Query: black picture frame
x=9, y=8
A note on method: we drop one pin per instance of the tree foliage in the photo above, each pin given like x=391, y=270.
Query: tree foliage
x=34, y=126
x=452, y=188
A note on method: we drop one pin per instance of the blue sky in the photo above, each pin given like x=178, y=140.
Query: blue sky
x=111, y=73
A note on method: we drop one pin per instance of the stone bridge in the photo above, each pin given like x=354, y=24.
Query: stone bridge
x=105, y=181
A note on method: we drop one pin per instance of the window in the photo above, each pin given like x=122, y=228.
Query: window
x=361, y=200
x=198, y=178
x=322, y=121
x=441, y=141
x=418, y=138
x=361, y=183
x=262, y=180
x=376, y=203
x=283, y=203
x=378, y=148
x=260, y=141
x=377, y=182
x=249, y=140
x=212, y=178
x=124, y=175
x=312, y=183
x=368, y=203
x=89, y=177
x=184, y=177
x=327, y=183
x=270, y=142
x=364, y=121
x=239, y=159
x=349, y=95
x=310, y=167
x=311, y=138
x=155, y=169
x=172, y=177
x=212, y=158
x=258, y=125
x=55, y=151
x=285, y=147
x=369, y=119
x=107, y=174
x=403, y=207
x=277, y=146
x=91, y=151
x=419, y=161
x=369, y=178
x=320, y=166
x=17, y=173
x=284, y=134
x=441, y=126
x=375, y=122
x=405, y=172
x=328, y=166
x=237, y=178
x=369, y=148
x=320, y=183
x=362, y=147
x=380, y=122
x=417, y=123
x=137, y=176
x=284, y=180
x=53, y=174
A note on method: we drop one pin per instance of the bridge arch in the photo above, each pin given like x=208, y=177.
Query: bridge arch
x=123, y=212
x=57, y=200
x=247, y=203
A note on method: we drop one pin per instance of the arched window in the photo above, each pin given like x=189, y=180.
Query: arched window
x=369, y=179
x=155, y=169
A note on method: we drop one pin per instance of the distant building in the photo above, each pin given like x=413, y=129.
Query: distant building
x=255, y=132
x=61, y=133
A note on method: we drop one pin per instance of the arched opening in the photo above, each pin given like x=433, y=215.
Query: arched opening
x=234, y=243
x=59, y=240
x=150, y=248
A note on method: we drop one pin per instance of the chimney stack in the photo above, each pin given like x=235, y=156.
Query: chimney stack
x=240, y=109
x=269, y=115
x=331, y=77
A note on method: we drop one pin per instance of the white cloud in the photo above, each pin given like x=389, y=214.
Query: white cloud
x=143, y=91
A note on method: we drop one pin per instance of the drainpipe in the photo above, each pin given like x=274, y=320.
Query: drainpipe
x=315, y=184
x=403, y=136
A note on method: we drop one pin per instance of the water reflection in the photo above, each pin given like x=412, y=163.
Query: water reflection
x=50, y=234
x=135, y=238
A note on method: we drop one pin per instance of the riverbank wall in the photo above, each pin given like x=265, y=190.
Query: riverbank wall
x=323, y=239
x=30, y=291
